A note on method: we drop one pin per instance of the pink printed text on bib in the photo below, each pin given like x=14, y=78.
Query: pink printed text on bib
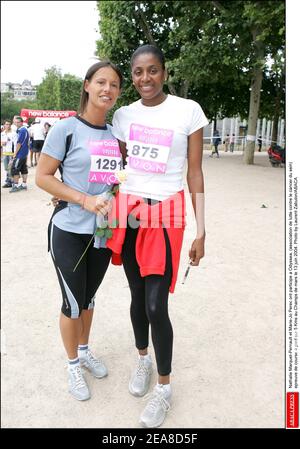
x=149, y=148
x=105, y=161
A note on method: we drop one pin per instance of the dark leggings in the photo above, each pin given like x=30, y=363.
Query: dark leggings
x=149, y=304
x=78, y=287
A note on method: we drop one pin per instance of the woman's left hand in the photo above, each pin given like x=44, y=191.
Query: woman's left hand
x=55, y=201
x=197, y=251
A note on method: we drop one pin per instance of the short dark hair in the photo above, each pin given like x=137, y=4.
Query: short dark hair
x=155, y=51
x=89, y=75
x=19, y=119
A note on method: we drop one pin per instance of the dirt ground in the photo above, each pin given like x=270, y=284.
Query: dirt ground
x=228, y=318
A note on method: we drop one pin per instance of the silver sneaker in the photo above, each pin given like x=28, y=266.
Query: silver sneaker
x=140, y=380
x=95, y=366
x=14, y=189
x=77, y=384
x=155, y=411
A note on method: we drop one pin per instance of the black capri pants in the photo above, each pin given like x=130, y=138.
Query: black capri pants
x=78, y=288
x=149, y=303
x=19, y=166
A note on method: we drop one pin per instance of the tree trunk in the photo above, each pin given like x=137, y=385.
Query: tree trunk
x=140, y=17
x=274, y=130
x=215, y=123
x=275, y=120
x=172, y=88
x=184, y=88
x=256, y=83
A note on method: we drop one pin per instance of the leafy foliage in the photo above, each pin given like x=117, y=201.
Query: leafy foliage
x=211, y=47
x=48, y=95
x=57, y=92
x=70, y=89
x=11, y=107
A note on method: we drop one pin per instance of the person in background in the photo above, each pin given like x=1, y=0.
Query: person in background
x=14, y=126
x=226, y=142
x=259, y=142
x=231, y=143
x=216, y=143
x=47, y=127
x=82, y=196
x=158, y=133
x=7, y=151
x=31, y=155
x=19, y=163
x=38, y=138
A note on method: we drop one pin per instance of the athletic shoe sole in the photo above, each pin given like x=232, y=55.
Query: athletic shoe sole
x=79, y=399
x=134, y=393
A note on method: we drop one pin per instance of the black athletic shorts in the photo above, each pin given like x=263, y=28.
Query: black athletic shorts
x=19, y=166
x=37, y=145
x=78, y=288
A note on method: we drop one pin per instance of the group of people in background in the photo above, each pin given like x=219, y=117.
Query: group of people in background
x=228, y=142
x=17, y=142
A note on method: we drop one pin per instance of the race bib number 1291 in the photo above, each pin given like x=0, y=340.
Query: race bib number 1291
x=105, y=161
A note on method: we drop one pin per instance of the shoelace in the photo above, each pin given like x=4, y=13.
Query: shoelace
x=92, y=360
x=79, y=380
x=141, y=370
x=156, y=398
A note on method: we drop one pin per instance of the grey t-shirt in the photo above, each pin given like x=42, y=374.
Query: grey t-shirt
x=76, y=168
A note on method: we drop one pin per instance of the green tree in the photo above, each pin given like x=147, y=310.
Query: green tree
x=273, y=93
x=234, y=41
x=69, y=89
x=11, y=107
x=48, y=92
x=57, y=92
x=216, y=50
x=260, y=29
x=208, y=65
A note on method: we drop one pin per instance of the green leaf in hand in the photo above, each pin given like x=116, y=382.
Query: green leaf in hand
x=108, y=233
x=100, y=232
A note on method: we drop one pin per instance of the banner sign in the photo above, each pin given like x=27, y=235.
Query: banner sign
x=33, y=113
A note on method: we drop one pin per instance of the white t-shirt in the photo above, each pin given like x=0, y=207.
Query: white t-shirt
x=37, y=131
x=156, y=140
x=8, y=142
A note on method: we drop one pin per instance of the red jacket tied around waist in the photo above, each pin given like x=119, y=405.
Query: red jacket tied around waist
x=150, y=246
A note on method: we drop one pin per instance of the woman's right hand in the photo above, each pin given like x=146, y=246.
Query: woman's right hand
x=96, y=204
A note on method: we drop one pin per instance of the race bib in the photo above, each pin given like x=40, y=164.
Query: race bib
x=7, y=145
x=105, y=161
x=149, y=148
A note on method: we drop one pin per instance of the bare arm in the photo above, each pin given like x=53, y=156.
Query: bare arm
x=195, y=182
x=123, y=150
x=18, y=146
x=46, y=180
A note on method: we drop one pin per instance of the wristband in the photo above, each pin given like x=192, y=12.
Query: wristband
x=83, y=202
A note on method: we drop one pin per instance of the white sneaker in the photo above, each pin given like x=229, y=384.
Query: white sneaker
x=155, y=411
x=140, y=380
x=95, y=366
x=77, y=384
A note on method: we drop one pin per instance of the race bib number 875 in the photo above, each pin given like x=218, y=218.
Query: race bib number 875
x=105, y=161
x=149, y=148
